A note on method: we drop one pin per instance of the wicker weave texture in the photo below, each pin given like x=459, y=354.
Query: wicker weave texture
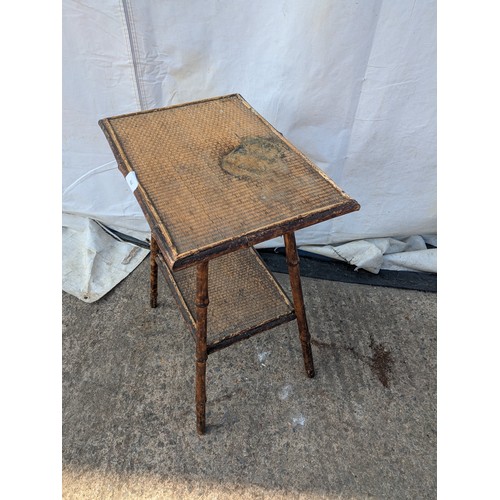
x=242, y=293
x=214, y=170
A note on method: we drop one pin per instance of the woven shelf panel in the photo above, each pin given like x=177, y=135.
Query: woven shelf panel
x=242, y=294
x=214, y=170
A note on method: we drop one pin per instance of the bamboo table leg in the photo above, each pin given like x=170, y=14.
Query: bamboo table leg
x=292, y=259
x=153, y=292
x=201, y=343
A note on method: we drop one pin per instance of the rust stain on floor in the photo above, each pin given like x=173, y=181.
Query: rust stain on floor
x=380, y=362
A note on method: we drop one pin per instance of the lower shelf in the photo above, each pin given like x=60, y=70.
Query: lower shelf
x=245, y=299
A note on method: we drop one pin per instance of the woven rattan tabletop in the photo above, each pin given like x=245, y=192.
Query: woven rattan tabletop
x=214, y=176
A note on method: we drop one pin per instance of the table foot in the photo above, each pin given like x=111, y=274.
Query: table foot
x=201, y=396
x=153, y=294
x=201, y=344
x=292, y=259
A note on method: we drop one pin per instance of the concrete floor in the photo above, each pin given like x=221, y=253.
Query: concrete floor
x=364, y=427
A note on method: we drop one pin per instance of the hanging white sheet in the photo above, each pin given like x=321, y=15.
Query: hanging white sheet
x=351, y=84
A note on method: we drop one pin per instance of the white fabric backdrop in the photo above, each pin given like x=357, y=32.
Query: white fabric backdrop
x=351, y=84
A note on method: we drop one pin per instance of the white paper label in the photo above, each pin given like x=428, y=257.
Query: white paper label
x=131, y=179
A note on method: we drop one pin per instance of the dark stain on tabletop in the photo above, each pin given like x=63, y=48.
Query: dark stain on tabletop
x=255, y=158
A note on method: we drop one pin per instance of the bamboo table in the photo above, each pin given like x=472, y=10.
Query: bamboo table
x=214, y=178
